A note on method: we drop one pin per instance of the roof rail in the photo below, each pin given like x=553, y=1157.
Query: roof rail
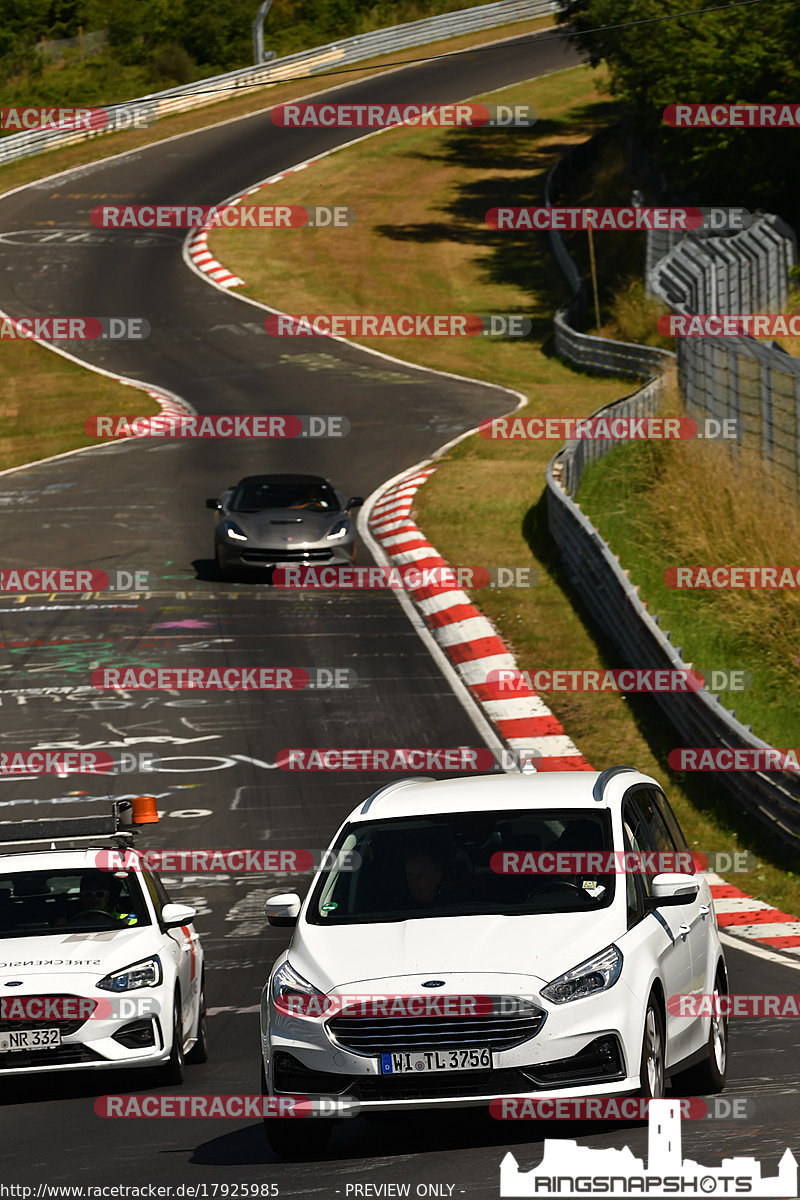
x=388, y=787
x=604, y=778
x=113, y=827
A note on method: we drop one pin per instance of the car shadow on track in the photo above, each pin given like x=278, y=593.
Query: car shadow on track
x=392, y=1135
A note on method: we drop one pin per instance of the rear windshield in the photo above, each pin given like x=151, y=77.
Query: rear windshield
x=461, y=864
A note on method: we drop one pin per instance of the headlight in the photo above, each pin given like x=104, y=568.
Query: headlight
x=232, y=531
x=286, y=982
x=340, y=530
x=594, y=975
x=146, y=973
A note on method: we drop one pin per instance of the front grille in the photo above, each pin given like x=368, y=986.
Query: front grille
x=66, y=1026
x=506, y=1026
x=282, y=556
x=444, y=1086
x=62, y=1056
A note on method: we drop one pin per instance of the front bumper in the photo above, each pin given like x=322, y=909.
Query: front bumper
x=244, y=556
x=135, y=1035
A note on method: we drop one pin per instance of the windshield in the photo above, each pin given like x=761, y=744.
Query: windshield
x=74, y=900
x=457, y=865
x=257, y=496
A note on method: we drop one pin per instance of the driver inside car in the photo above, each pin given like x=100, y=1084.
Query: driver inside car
x=102, y=892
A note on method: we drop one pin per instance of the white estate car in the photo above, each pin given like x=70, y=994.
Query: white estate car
x=579, y=967
x=98, y=968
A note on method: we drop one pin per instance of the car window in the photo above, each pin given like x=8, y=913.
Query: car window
x=467, y=863
x=158, y=893
x=256, y=496
x=76, y=900
x=663, y=807
x=661, y=837
x=640, y=839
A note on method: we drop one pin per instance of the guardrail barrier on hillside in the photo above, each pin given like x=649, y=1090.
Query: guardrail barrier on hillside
x=293, y=66
x=699, y=718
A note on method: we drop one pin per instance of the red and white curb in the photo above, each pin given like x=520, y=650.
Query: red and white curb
x=525, y=722
x=468, y=638
x=197, y=243
x=742, y=916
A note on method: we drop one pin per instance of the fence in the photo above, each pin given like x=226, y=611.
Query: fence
x=293, y=66
x=604, y=355
x=700, y=719
x=755, y=383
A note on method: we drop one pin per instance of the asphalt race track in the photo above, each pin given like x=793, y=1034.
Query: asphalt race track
x=140, y=506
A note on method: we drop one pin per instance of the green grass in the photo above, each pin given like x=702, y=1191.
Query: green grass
x=419, y=243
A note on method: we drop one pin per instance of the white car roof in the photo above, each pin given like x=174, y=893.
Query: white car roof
x=49, y=860
x=485, y=793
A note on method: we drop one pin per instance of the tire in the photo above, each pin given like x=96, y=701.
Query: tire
x=172, y=1071
x=199, y=1051
x=651, y=1063
x=708, y=1077
x=298, y=1138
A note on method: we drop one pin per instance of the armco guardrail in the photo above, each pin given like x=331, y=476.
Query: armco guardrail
x=604, y=355
x=699, y=718
x=293, y=66
x=743, y=378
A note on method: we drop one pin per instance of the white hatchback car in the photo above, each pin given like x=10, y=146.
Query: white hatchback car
x=573, y=972
x=98, y=968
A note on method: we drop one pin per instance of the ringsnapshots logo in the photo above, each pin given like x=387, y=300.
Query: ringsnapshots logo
x=409, y=577
x=732, y=116
x=225, y=679
x=384, y=116
x=59, y=579
x=181, y=425
x=74, y=329
x=157, y=1104
x=230, y=216
x=399, y=325
x=606, y=427
x=77, y=120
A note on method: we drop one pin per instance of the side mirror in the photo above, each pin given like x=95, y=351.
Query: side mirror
x=213, y=503
x=354, y=502
x=283, y=910
x=173, y=915
x=673, y=888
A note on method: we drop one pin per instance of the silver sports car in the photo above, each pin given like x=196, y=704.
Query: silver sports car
x=266, y=520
